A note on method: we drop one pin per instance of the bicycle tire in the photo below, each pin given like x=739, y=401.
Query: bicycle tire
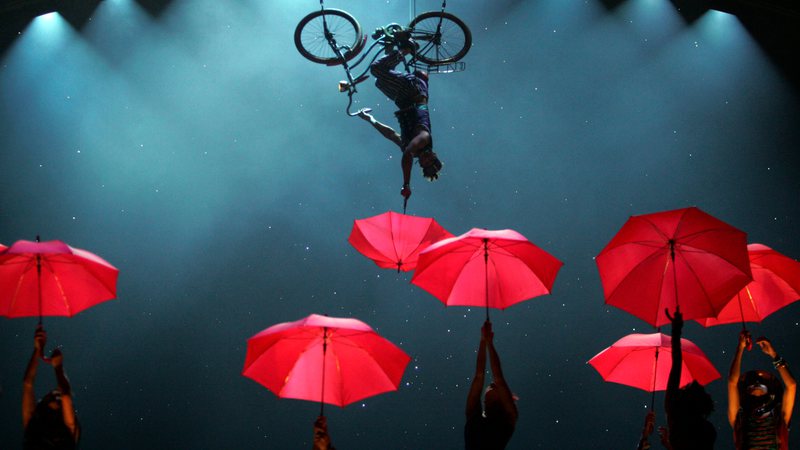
x=453, y=43
x=310, y=40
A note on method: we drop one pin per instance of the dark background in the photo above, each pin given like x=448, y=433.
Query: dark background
x=189, y=144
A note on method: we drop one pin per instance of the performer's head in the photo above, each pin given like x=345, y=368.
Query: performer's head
x=693, y=400
x=759, y=392
x=430, y=163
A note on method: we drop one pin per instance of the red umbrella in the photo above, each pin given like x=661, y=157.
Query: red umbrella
x=491, y=268
x=656, y=259
x=776, y=283
x=634, y=361
x=52, y=279
x=393, y=240
x=328, y=359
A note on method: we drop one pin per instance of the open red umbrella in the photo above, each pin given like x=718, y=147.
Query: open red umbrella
x=326, y=359
x=634, y=361
x=52, y=279
x=491, y=268
x=682, y=257
x=393, y=240
x=776, y=283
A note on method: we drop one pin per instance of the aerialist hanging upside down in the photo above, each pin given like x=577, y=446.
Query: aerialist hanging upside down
x=410, y=94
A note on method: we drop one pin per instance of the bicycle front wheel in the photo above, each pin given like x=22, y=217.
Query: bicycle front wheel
x=442, y=37
x=330, y=36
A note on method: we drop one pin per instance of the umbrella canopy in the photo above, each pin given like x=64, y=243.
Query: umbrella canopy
x=776, y=283
x=318, y=358
x=682, y=257
x=492, y=268
x=644, y=361
x=52, y=279
x=393, y=240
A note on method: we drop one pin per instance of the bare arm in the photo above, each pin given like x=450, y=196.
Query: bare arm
x=506, y=397
x=790, y=385
x=647, y=430
x=385, y=130
x=28, y=394
x=733, y=378
x=322, y=441
x=67, y=407
x=474, y=396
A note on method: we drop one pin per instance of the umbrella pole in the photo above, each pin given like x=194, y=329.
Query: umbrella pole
x=674, y=273
x=486, y=273
x=324, y=351
x=39, y=281
x=741, y=311
x=655, y=373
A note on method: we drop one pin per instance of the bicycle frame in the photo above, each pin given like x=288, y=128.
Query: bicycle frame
x=431, y=39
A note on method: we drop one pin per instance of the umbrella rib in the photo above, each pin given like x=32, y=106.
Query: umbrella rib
x=46, y=264
x=654, y=227
x=697, y=278
x=19, y=285
x=638, y=350
x=311, y=343
x=382, y=372
x=690, y=249
x=394, y=242
x=639, y=264
x=753, y=303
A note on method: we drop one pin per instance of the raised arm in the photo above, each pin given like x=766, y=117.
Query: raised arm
x=67, y=407
x=385, y=130
x=674, y=380
x=733, y=378
x=322, y=441
x=28, y=394
x=474, y=395
x=506, y=397
x=647, y=430
x=790, y=385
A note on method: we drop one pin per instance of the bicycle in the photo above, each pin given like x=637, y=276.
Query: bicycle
x=334, y=37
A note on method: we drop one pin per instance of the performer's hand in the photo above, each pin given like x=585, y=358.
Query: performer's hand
x=649, y=424
x=745, y=341
x=39, y=340
x=663, y=433
x=677, y=319
x=56, y=358
x=766, y=346
x=406, y=191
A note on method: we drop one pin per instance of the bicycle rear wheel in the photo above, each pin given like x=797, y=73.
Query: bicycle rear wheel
x=344, y=33
x=442, y=37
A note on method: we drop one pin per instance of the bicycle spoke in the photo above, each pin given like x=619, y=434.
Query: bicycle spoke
x=447, y=44
x=327, y=37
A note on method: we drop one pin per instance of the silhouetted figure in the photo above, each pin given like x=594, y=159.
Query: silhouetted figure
x=688, y=407
x=322, y=441
x=51, y=423
x=410, y=94
x=489, y=427
x=759, y=405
